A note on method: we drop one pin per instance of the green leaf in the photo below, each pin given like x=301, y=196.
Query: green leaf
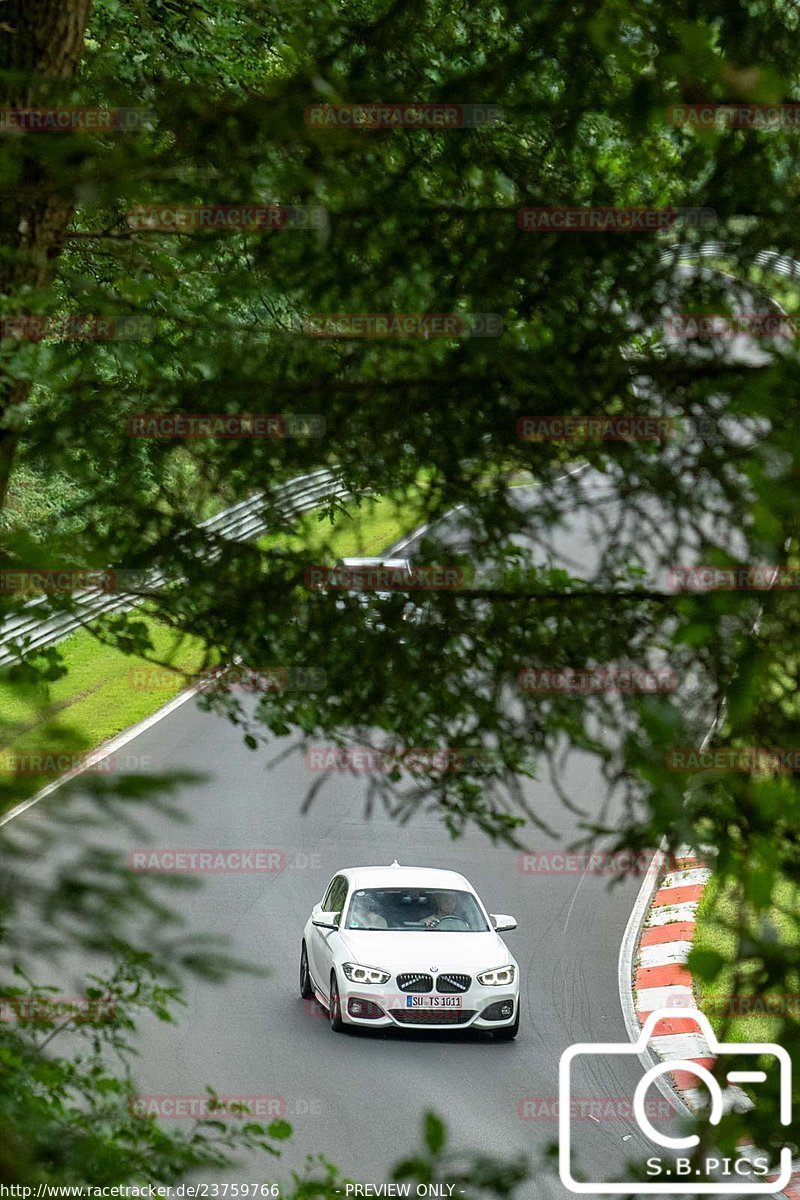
x=433, y=1132
x=280, y=1130
x=707, y=964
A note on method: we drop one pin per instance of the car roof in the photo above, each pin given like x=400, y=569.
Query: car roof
x=400, y=876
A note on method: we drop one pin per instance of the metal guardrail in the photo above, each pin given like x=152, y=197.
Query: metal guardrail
x=31, y=630
x=782, y=264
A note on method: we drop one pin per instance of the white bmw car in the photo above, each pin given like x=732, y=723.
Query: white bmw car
x=410, y=947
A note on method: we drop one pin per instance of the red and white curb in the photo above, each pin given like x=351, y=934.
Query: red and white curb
x=662, y=979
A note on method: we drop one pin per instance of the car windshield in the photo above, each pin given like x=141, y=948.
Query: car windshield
x=435, y=910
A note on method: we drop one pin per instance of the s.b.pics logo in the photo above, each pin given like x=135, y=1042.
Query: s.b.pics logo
x=673, y=1172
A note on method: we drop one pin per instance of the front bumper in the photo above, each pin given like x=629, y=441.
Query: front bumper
x=381, y=1006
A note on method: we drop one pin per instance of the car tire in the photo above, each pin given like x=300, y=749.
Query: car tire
x=335, y=1006
x=306, y=990
x=509, y=1032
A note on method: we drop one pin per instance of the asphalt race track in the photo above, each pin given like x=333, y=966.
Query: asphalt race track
x=358, y=1097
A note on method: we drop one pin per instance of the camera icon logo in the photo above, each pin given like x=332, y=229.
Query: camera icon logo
x=740, y=1186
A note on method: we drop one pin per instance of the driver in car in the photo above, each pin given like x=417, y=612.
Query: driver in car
x=447, y=905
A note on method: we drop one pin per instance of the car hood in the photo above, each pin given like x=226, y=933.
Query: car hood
x=407, y=950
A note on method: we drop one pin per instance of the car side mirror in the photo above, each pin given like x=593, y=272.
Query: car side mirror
x=327, y=920
x=502, y=922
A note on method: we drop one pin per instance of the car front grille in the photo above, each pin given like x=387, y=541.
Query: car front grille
x=453, y=983
x=413, y=981
x=431, y=1016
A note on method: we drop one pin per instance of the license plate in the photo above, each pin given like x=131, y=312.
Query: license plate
x=433, y=1001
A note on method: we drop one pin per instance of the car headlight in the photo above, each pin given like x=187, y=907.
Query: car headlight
x=499, y=977
x=358, y=974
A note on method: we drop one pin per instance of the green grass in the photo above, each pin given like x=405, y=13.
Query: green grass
x=98, y=697
x=718, y=909
x=101, y=692
x=367, y=529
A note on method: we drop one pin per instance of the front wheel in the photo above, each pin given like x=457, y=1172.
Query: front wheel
x=335, y=1007
x=306, y=990
x=509, y=1032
